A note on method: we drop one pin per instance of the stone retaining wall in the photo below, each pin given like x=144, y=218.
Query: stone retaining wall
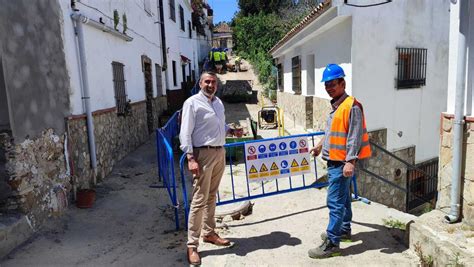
x=321, y=109
x=446, y=167
x=389, y=168
x=38, y=177
x=115, y=137
x=298, y=108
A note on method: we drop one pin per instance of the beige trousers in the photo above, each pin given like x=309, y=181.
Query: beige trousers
x=203, y=204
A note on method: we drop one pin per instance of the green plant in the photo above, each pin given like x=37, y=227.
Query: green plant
x=394, y=223
x=116, y=19
x=124, y=21
x=425, y=260
x=456, y=260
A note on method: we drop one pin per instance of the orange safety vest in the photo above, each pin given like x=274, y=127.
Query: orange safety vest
x=339, y=130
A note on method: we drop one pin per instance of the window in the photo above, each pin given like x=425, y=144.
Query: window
x=119, y=88
x=172, y=10
x=296, y=74
x=175, y=82
x=159, y=83
x=181, y=17
x=411, y=67
x=280, y=77
x=190, y=30
x=183, y=70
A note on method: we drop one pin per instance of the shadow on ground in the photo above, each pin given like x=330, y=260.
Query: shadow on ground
x=243, y=246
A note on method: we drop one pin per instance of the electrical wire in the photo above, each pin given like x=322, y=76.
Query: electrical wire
x=371, y=5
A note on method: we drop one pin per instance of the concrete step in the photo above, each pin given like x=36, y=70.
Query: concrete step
x=14, y=230
x=445, y=244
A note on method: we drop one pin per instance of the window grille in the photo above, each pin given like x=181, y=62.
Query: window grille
x=119, y=87
x=181, y=17
x=172, y=10
x=159, y=84
x=411, y=67
x=296, y=74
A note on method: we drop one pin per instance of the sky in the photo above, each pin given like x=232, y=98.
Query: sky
x=223, y=9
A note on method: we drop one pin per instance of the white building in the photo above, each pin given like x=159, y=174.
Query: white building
x=395, y=57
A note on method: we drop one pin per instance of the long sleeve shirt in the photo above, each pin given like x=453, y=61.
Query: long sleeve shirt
x=202, y=123
x=354, y=134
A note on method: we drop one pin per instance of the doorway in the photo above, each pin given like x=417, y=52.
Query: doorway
x=148, y=92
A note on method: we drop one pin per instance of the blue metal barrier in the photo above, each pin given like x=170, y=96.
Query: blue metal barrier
x=293, y=183
x=165, y=159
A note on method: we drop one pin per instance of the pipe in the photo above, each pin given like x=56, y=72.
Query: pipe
x=78, y=19
x=458, y=124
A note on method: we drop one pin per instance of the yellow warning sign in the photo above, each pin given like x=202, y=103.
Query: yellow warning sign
x=304, y=162
x=305, y=168
x=273, y=173
x=253, y=176
x=263, y=174
x=263, y=168
x=274, y=167
x=253, y=169
x=294, y=163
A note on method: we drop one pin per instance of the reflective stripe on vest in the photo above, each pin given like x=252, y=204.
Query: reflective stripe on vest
x=210, y=55
x=338, y=133
x=217, y=56
x=223, y=56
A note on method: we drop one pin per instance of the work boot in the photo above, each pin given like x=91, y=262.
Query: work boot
x=345, y=236
x=325, y=250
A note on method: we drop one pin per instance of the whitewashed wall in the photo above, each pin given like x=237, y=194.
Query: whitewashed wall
x=103, y=48
x=377, y=32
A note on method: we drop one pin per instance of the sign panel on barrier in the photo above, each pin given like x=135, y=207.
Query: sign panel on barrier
x=267, y=160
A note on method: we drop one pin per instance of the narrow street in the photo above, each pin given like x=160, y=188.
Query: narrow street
x=132, y=224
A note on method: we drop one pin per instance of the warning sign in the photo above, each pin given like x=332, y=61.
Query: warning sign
x=268, y=160
x=294, y=163
x=304, y=162
x=253, y=169
x=274, y=166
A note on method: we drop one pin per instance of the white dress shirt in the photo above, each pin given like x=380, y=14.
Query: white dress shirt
x=202, y=123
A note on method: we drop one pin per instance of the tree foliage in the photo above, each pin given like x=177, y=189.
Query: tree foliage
x=260, y=24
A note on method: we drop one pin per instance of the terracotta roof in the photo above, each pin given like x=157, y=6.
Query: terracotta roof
x=223, y=27
x=313, y=15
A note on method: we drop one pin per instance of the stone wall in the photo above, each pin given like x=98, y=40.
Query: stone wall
x=115, y=137
x=297, y=108
x=321, y=109
x=38, y=177
x=446, y=167
x=389, y=168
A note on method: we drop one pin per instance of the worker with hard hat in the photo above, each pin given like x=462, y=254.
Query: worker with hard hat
x=345, y=142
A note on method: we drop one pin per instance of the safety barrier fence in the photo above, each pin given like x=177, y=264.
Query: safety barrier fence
x=165, y=159
x=238, y=187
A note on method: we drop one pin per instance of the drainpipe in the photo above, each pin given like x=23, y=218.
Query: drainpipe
x=458, y=124
x=78, y=20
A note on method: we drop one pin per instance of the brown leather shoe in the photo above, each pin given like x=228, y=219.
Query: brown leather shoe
x=216, y=240
x=193, y=256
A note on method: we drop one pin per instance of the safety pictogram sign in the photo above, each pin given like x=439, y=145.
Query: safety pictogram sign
x=267, y=160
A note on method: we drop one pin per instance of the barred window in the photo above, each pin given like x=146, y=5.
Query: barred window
x=159, y=83
x=411, y=67
x=119, y=87
x=181, y=18
x=296, y=74
x=172, y=10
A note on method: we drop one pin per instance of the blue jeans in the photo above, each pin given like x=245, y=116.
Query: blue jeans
x=338, y=202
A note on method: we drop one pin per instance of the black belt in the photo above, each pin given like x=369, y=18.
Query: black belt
x=209, y=147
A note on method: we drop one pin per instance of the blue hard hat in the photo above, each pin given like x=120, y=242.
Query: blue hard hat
x=332, y=72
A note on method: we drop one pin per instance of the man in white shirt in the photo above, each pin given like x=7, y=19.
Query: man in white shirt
x=202, y=138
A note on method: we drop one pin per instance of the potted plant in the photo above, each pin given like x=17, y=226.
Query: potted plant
x=85, y=196
x=116, y=19
x=124, y=21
